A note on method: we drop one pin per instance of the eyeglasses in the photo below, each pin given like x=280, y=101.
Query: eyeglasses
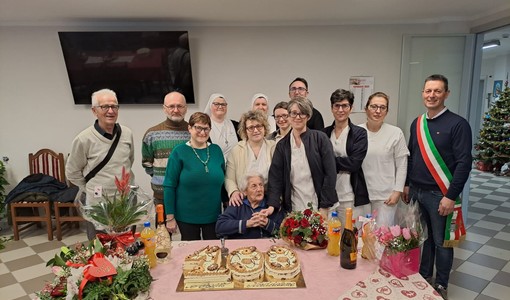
x=283, y=117
x=172, y=107
x=219, y=104
x=105, y=108
x=294, y=114
x=201, y=129
x=375, y=107
x=253, y=127
x=337, y=106
x=297, y=89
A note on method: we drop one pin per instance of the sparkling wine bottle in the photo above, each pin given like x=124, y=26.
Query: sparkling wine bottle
x=163, y=240
x=348, y=244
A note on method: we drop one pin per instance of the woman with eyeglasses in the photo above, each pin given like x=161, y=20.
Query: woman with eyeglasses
x=303, y=166
x=224, y=131
x=261, y=102
x=385, y=165
x=350, y=147
x=253, y=153
x=281, y=116
x=193, y=183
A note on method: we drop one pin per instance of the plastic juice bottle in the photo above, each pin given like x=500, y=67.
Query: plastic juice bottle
x=334, y=229
x=148, y=237
x=163, y=240
x=348, y=243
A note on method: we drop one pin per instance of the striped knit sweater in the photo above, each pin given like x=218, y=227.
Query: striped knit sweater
x=157, y=144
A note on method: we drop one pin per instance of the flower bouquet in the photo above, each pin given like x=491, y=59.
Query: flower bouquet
x=114, y=215
x=401, y=255
x=306, y=230
x=95, y=272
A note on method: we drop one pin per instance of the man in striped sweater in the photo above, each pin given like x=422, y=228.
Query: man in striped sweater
x=159, y=141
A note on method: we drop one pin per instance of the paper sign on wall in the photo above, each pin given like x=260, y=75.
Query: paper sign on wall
x=362, y=87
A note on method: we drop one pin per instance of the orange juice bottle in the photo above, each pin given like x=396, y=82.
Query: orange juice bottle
x=149, y=240
x=334, y=229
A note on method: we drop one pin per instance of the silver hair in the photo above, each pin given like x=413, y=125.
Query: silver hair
x=96, y=94
x=243, y=185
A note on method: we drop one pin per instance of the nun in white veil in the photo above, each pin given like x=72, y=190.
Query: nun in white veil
x=260, y=102
x=223, y=131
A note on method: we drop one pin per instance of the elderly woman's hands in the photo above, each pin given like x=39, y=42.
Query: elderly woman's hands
x=258, y=219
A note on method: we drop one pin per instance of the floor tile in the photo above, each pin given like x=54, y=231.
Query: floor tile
x=498, y=243
x=506, y=229
x=6, y=256
x=482, y=231
x=506, y=204
x=36, y=284
x=471, y=246
x=48, y=245
x=456, y=263
x=25, y=298
x=24, y=262
x=493, y=251
x=506, y=268
x=500, y=214
x=502, y=221
x=3, y=269
x=482, y=192
x=459, y=293
x=31, y=272
x=12, y=292
x=504, y=209
x=502, y=278
x=497, y=291
x=462, y=253
x=484, y=297
x=477, y=270
x=487, y=261
x=478, y=210
x=495, y=199
x=488, y=184
x=38, y=239
x=476, y=216
x=484, y=205
x=14, y=245
x=47, y=255
x=467, y=281
x=504, y=190
x=489, y=225
x=6, y=280
x=477, y=238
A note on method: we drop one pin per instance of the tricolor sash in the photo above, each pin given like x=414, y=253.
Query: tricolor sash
x=454, y=230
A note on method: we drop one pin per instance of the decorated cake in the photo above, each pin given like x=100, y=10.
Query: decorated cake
x=204, y=266
x=246, y=265
x=281, y=264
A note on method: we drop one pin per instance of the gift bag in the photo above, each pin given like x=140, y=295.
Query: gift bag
x=401, y=264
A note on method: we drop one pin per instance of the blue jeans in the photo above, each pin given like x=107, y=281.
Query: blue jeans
x=433, y=246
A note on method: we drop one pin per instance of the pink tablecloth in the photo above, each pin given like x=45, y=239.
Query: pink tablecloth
x=324, y=278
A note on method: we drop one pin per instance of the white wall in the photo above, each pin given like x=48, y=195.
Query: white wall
x=37, y=108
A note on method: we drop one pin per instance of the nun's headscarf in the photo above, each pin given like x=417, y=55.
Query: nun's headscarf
x=213, y=97
x=259, y=95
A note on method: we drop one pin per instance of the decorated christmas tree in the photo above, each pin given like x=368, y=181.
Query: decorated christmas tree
x=493, y=147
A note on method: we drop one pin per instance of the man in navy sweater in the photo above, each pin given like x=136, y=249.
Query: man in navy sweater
x=439, y=137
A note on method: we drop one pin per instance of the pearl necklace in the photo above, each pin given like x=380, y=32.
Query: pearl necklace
x=203, y=162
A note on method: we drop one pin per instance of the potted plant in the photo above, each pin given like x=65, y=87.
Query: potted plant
x=3, y=183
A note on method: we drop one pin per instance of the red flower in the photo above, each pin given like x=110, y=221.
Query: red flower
x=123, y=184
x=298, y=239
x=305, y=223
x=294, y=224
x=307, y=212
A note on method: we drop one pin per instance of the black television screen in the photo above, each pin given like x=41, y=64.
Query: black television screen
x=140, y=66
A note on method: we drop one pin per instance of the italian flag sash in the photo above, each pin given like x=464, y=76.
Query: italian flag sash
x=455, y=230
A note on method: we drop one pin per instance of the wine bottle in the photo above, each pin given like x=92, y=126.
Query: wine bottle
x=348, y=244
x=163, y=240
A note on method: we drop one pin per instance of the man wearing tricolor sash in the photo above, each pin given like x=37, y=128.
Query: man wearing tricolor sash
x=438, y=167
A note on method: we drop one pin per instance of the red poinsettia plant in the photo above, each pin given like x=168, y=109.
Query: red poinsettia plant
x=305, y=229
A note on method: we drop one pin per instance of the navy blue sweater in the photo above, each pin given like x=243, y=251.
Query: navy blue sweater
x=452, y=136
x=232, y=223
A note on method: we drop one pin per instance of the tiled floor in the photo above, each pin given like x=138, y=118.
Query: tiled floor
x=481, y=268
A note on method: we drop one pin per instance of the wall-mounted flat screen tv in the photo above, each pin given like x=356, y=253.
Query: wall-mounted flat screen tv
x=140, y=66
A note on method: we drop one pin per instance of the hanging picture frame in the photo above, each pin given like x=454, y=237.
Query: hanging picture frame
x=498, y=87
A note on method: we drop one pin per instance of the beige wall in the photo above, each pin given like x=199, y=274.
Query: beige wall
x=37, y=109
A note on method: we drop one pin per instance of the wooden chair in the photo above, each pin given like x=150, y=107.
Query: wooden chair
x=47, y=162
x=71, y=216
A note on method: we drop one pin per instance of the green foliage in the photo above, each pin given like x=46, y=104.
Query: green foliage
x=3, y=183
x=493, y=146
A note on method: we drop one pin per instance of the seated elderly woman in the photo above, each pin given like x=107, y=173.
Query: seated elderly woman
x=246, y=221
